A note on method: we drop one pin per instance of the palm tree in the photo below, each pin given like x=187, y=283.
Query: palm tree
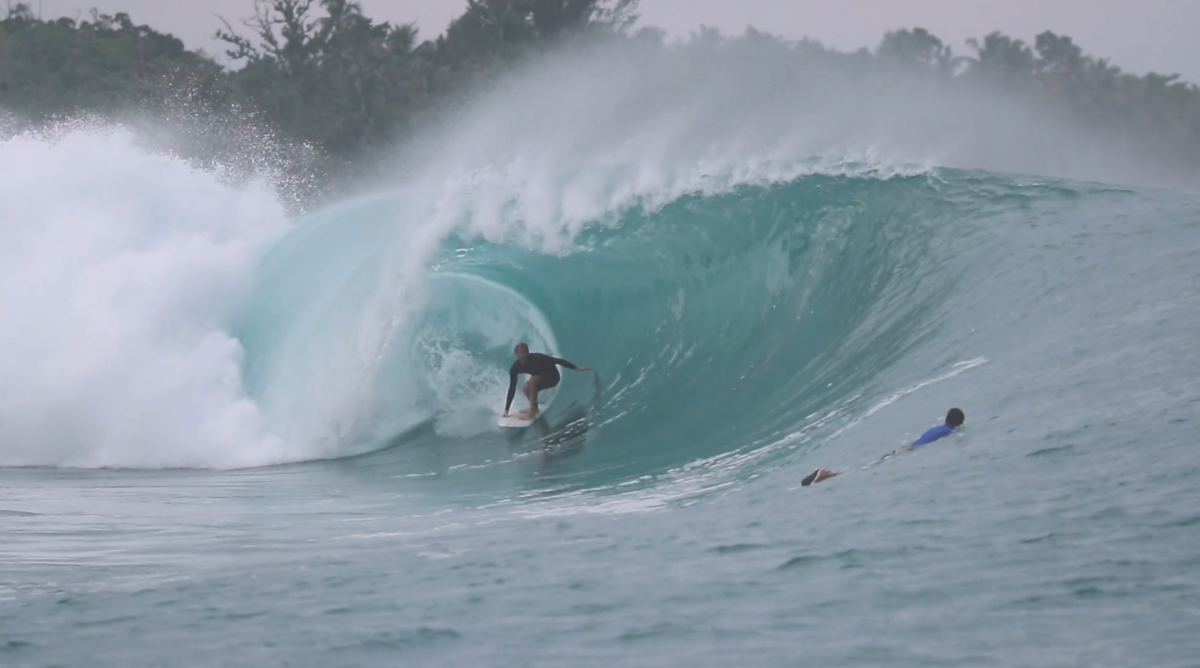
x=1001, y=59
x=917, y=49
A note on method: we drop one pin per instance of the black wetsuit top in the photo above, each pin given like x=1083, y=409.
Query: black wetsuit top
x=536, y=364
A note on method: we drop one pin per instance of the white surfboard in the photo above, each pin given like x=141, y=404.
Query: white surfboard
x=514, y=422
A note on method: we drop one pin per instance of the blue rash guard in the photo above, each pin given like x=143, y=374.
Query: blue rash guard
x=940, y=431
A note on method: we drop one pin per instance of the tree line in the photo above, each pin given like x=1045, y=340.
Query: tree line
x=323, y=75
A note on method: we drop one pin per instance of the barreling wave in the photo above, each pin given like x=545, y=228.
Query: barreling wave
x=164, y=336
x=719, y=323
x=743, y=276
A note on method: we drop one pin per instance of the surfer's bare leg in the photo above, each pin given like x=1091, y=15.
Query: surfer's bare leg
x=817, y=476
x=531, y=393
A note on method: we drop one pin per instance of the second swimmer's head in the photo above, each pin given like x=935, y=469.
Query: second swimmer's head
x=955, y=417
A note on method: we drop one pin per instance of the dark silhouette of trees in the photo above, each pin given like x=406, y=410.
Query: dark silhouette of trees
x=49, y=68
x=335, y=78
x=917, y=49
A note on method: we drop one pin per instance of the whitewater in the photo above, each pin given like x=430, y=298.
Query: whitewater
x=231, y=435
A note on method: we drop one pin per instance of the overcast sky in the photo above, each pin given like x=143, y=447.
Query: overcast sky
x=1137, y=35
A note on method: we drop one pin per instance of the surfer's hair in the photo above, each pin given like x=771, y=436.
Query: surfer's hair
x=955, y=417
x=520, y=346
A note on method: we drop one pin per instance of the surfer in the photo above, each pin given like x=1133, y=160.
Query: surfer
x=954, y=420
x=543, y=375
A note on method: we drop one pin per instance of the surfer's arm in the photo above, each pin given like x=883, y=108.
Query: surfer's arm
x=568, y=365
x=512, y=390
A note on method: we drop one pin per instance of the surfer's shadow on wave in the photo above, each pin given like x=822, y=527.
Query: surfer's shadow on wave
x=561, y=438
x=555, y=440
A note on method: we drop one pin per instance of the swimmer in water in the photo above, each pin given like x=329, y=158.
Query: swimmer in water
x=954, y=420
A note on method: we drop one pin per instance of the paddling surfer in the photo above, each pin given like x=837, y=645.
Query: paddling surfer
x=954, y=420
x=543, y=375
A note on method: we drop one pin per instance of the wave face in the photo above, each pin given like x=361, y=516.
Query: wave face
x=717, y=322
x=165, y=320
x=731, y=329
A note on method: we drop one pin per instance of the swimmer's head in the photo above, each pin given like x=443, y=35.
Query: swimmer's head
x=955, y=417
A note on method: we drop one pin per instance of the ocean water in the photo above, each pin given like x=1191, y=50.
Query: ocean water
x=231, y=437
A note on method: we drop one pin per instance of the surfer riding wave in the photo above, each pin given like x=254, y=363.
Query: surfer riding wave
x=543, y=375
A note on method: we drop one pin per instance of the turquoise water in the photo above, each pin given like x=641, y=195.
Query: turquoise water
x=234, y=439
